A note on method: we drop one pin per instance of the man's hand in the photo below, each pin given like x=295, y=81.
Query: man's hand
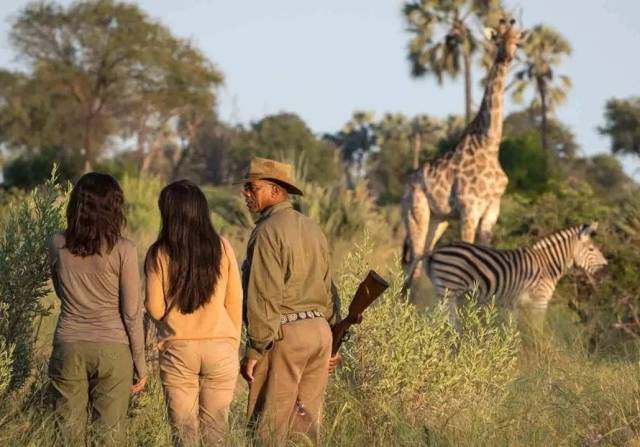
x=333, y=362
x=138, y=385
x=246, y=369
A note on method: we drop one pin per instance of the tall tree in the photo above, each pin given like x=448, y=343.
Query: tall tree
x=544, y=50
x=560, y=138
x=354, y=141
x=286, y=136
x=445, y=37
x=113, y=63
x=424, y=130
x=622, y=125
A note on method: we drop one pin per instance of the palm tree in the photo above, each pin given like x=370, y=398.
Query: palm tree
x=443, y=38
x=424, y=130
x=544, y=50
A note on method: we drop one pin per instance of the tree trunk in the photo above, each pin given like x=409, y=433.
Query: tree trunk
x=88, y=161
x=141, y=143
x=467, y=86
x=542, y=88
x=146, y=161
x=417, y=144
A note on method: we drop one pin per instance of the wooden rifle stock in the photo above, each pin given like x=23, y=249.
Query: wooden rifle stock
x=368, y=291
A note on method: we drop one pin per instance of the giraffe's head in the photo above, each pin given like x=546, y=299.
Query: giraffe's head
x=586, y=256
x=506, y=37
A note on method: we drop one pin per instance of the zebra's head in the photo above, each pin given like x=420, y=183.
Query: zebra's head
x=586, y=255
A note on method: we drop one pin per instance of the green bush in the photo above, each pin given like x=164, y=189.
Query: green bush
x=31, y=169
x=6, y=355
x=404, y=361
x=24, y=272
x=9, y=197
x=524, y=160
x=141, y=198
x=341, y=212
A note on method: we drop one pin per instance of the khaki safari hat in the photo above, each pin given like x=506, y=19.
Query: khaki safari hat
x=275, y=171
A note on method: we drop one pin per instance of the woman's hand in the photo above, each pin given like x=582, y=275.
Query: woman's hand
x=139, y=385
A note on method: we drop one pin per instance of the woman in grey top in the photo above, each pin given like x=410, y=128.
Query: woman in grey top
x=98, y=346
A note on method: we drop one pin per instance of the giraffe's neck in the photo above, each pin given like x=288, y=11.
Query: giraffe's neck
x=488, y=121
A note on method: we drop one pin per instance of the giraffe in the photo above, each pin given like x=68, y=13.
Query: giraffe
x=468, y=182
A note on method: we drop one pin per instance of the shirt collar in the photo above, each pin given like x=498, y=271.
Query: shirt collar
x=285, y=205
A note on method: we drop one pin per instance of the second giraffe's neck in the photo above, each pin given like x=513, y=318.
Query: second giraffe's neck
x=488, y=121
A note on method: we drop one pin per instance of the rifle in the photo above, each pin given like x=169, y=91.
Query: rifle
x=368, y=291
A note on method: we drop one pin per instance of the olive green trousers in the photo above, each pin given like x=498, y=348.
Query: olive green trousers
x=98, y=375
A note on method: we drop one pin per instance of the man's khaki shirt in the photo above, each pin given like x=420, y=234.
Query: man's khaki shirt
x=286, y=271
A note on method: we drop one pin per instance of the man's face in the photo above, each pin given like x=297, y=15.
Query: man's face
x=257, y=195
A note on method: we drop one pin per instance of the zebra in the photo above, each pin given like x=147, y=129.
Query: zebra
x=525, y=276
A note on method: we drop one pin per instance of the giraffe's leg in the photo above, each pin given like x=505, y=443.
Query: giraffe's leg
x=437, y=227
x=489, y=219
x=470, y=217
x=416, y=219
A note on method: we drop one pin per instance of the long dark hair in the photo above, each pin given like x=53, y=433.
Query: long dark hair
x=95, y=215
x=191, y=243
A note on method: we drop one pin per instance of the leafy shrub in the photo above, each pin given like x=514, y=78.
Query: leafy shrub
x=6, y=355
x=606, y=307
x=141, y=198
x=416, y=364
x=9, y=197
x=228, y=207
x=524, y=160
x=24, y=273
x=341, y=212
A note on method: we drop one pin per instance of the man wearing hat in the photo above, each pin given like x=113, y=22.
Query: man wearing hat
x=289, y=305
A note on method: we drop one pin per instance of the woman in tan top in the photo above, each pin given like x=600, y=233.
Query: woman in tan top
x=195, y=293
x=98, y=343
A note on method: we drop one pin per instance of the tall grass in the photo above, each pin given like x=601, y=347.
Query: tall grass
x=408, y=378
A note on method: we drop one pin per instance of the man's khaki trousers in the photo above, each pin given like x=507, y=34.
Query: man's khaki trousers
x=199, y=377
x=295, y=370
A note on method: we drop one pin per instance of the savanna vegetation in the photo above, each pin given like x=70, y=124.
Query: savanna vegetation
x=146, y=101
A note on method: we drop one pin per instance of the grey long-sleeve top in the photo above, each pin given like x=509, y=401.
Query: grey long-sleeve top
x=100, y=297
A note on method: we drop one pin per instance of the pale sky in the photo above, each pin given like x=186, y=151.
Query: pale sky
x=324, y=59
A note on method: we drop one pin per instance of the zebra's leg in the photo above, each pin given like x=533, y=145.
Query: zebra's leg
x=531, y=310
x=489, y=219
x=454, y=302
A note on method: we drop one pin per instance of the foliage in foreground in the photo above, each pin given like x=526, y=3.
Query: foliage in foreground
x=417, y=363
x=24, y=274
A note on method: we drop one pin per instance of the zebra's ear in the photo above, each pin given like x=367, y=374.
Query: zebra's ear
x=588, y=230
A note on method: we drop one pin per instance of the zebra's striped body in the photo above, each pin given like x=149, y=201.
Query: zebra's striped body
x=525, y=276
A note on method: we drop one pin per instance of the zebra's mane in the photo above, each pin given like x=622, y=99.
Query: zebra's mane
x=564, y=234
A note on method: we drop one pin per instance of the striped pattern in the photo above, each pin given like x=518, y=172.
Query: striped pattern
x=524, y=275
